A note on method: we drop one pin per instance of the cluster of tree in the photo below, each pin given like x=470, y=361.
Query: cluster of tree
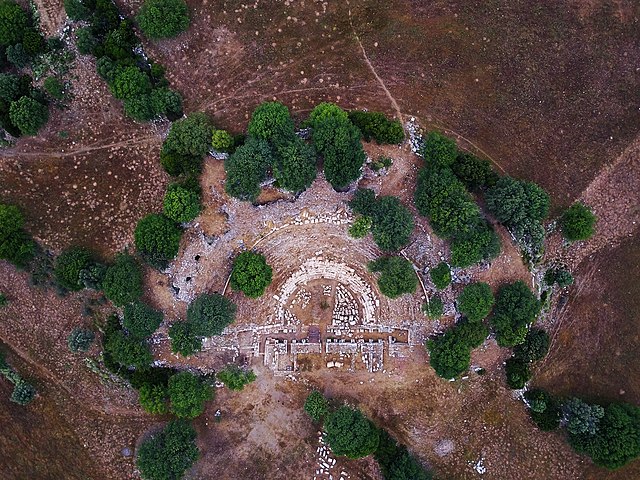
x=132, y=78
x=578, y=222
x=351, y=434
x=450, y=353
x=163, y=18
x=534, y=348
x=475, y=173
x=207, y=316
x=16, y=244
x=169, y=453
x=157, y=239
x=397, y=276
x=235, y=378
x=251, y=274
x=23, y=392
x=272, y=147
x=391, y=222
x=376, y=126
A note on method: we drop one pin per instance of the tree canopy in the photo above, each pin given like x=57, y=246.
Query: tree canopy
x=397, y=276
x=128, y=350
x=376, y=126
x=122, y=282
x=516, y=308
x=163, y=18
x=535, y=346
x=69, y=264
x=476, y=301
x=247, y=168
x=441, y=275
x=294, y=165
x=450, y=354
x=251, y=274
x=28, y=115
x=183, y=340
x=475, y=173
x=80, y=339
x=316, y=406
x=439, y=150
x=157, y=239
x=188, y=394
x=272, y=122
x=141, y=320
x=169, y=454
x=13, y=22
x=181, y=204
x=578, y=222
x=190, y=135
x=16, y=245
x=209, y=314
x=235, y=378
x=350, y=433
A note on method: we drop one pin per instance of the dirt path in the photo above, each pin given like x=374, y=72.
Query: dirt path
x=52, y=15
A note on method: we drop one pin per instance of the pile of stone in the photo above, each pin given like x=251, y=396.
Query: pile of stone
x=345, y=309
x=326, y=464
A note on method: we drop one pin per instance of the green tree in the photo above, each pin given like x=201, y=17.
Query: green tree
x=474, y=172
x=516, y=308
x=578, y=222
x=246, y=168
x=122, y=282
x=441, y=275
x=183, y=340
x=10, y=87
x=209, y=314
x=17, y=55
x=15, y=244
x=130, y=82
x=361, y=227
x=28, y=115
x=350, y=433
x=251, y=274
x=68, y=266
x=376, y=126
x=544, y=409
x=481, y=243
x=439, y=150
x=397, y=276
x=157, y=239
x=580, y=417
x=176, y=164
x=434, y=308
x=271, y=121
x=153, y=399
x=13, y=22
x=163, y=18
x=141, y=320
x=450, y=354
x=294, y=166
x=169, y=454
x=518, y=373
x=316, y=406
x=23, y=393
x=476, y=301
x=221, y=140
x=77, y=10
x=235, y=378
x=396, y=463
x=326, y=110
x=80, y=339
x=165, y=101
x=181, y=204
x=190, y=136
x=558, y=275
x=128, y=351
x=188, y=394
x=392, y=224
x=363, y=202
x=535, y=346
x=86, y=41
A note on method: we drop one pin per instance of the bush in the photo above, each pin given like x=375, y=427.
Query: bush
x=54, y=87
x=374, y=125
x=163, y=18
x=209, y=314
x=518, y=373
x=441, y=275
x=316, y=406
x=10, y=88
x=68, y=266
x=294, y=167
x=234, y=378
x=4, y=301
x=122, y=282
x=221, y=141
x=251, y=274
x=272, y=122
x=181, y=204
x=544, y=409
x=128, y=351
x=439, y=150
x=475, y=301
x=360, y=227
x=153, y=399
x=183, y=340
x=28, y=115
x=23, y=393
x=617, y=440
x=168, y=454
x=188, y=394
x=434, y=308
x=558, y=275
x=18, y=56
x=190, y=136
x=15, y=244
x=516, y=308
x=246, y=168
x=141, y=320
x=535, y=346
x=13, y=22
x=157, y=239
x=397, y=276
x=580, y=417
x=350, y=433
x=80, y=339
x=578, y=222
x=450, y=354
x=86, y=41
x=77, y=10
x=474, y=172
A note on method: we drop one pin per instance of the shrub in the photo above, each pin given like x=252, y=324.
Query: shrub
x=28, y=115
x=157, y=239
x=183, y=340
x=374, y=125
x=475, y=301
x=181, y=204
x=580, y=417
x=188, y=394
x=316, y=406
x=209, y=314
x=544, y=409
x=474, y=172
x=434, y=308
x=516, y=308
x=168, y=454
x=130, y=82
x=360, y=227
x=122, y=282
x=163, y=18
x=439, y=150
x=80, y=339
x=17, y=55
x=518, y=373
x=68, y=266
x=77, y=10
x=86, y=41
x=128, y=351
x=450, y=354
x=246, y=168
x=350, y=433
x=23, y=393
x=13, y=22
x=15, y=244
x=141, y=320
x=234, y=378
x=271, y=121
x=397, y=276
x=221, y=140
x=294, y=166
x=153, y=399
x=558, y=275
x=190, y=136
x=534, y=347
x=441, y=275
x=251, y=274
x=54, y=87
x=4, y=301
x=10, y=88
x=578, y=222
